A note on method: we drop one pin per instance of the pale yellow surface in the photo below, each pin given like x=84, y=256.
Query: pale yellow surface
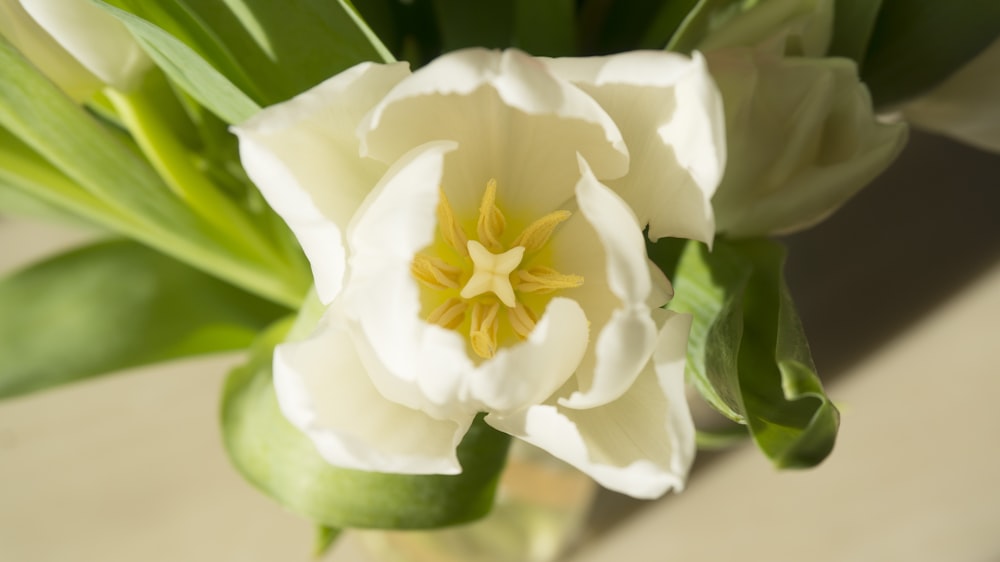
x=130, y=468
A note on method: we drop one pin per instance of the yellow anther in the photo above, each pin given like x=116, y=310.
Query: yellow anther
x=435, y=272
x=450, y=230
x=522, y=320
x=537, y=234
x=449, y=314
x=483, y=331
x=491, y=221
x=542, y=279
x=491, y=273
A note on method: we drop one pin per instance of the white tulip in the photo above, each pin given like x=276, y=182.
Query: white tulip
x=802, y=140
x=95, y=38
x=475, y=230
x=18, y=27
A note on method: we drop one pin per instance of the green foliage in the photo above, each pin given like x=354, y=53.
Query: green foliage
x=853, y=23
x=917, y=43
x=539, y=28
x=747, y=353
x=266, y=50
x=282, y=462
x=61, y=154
x=114, y=305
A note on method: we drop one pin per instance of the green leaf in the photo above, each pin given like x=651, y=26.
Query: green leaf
x=918, y=43
x=270, y=49
x=853, y=23
x=325, y=538
x=119, y=188
x=186, y=66
x=748, y=354
x=703, y=17
x=114, y=305
x=666, y=23
x=545, y=28
x=484, y=23
x=282, y=462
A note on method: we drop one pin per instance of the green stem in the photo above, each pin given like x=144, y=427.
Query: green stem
x=176, y=166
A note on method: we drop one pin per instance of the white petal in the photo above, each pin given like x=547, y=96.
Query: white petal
x=670, y=115
x=529, y=372
x=422, y=365
x=324, y=390
x=303, y=155
x=514, y=122
x=42, y=50
x=627, y=335
x=964, y=107
x=802, y=140
x=641, y=444
x=94, y=37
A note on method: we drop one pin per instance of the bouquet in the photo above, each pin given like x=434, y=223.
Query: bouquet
x=436, y=227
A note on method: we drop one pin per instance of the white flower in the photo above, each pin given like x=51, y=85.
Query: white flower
x=475, y=229
x=76, y=43
x=801, y=136
x=965, y=107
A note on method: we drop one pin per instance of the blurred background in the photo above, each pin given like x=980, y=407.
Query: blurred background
x=899, y=293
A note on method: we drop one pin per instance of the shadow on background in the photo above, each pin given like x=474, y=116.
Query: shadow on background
x=910, y=240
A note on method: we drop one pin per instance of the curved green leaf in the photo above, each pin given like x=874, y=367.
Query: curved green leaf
x=269, y=50
x=282, y=462
x=748, y=354
x=114, y=305
x=918, y=43
x=853, y=24
x=123, y=192
x=198, y=77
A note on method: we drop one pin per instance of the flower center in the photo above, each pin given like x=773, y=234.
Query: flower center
x=467, y=282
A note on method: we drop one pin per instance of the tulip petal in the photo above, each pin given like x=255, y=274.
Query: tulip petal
x=95, y=38
x=964, y=107
x=642, y=444
x=324, y=390
x=670, y=115
x=802, y=140
x=514, y=122
x=421, y=365
x=615, y=294
x=18, y=27
x=303, y=156
x=529, y=372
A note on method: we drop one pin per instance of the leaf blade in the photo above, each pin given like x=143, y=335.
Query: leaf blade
x=114, y=305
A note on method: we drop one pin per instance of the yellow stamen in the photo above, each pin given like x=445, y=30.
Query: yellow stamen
x=542, y=279
x=491, y=221
x=449, y=314
x=450, y=230
x=483, y=331
x=522, y=320
x=537, y=233
x=435, y=272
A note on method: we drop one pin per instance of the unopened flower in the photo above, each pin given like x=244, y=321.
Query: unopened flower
x=78, y=45
x=802, y=139
x=475, y=229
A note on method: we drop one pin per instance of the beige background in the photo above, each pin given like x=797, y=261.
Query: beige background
x=900, y=294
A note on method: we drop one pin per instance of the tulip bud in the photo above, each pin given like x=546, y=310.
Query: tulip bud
x=92, y=36
x=801, y=140
x=18, y=27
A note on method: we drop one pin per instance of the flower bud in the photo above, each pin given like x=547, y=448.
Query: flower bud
x=801, y=140
x=93, y=37
x=18, y=27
